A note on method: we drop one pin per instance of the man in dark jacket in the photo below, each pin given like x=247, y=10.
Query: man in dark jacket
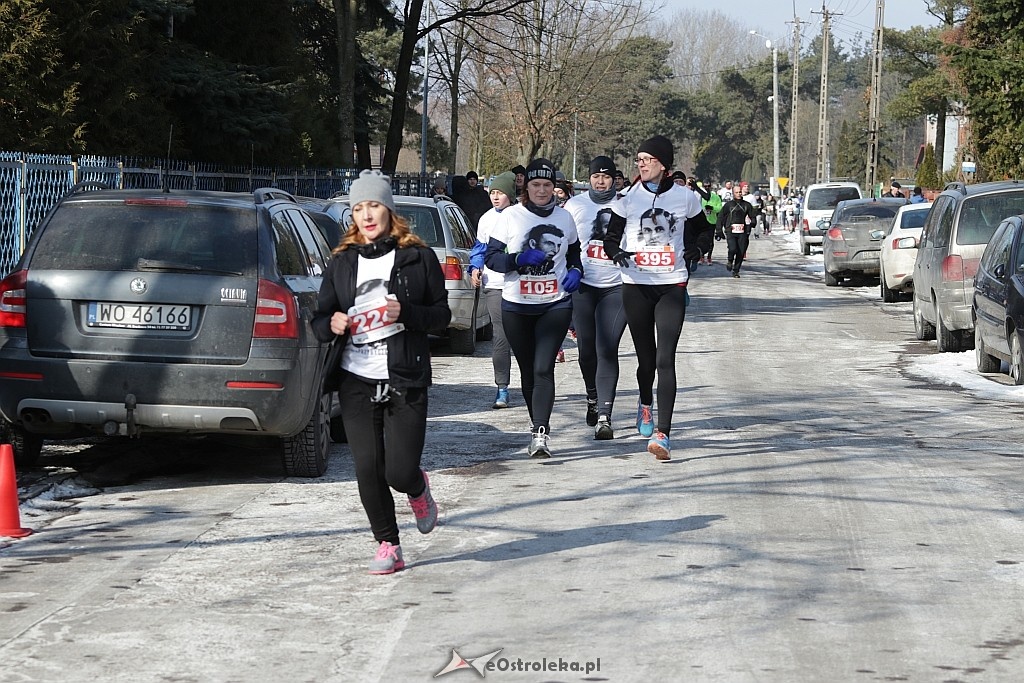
x=736, y=219
x=471, y=197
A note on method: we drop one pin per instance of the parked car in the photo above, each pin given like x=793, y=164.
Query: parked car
x=998, y=306
x=899, y=251
x=443, y=226
x=961, y=222
x=853, y=238
x=820, y=200
x=138, y=312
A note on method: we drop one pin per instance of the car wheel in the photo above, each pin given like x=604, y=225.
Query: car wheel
x=305, y=454
x=831, y=280
x=948, y=341
x=923, y=329
x=27, y=447
x=805, y=248
x=462, y=341
x=485, y=333
x=986, y=363
x=889, y=296
x=1016, y=359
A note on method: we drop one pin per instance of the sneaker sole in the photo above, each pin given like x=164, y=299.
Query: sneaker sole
x=604, y=435
x=659, y=452
x=499, y=406
x=383, y=572
x=540, y=455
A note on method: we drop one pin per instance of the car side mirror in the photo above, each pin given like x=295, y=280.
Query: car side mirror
x=906, y=243
x=999, y=271
x=824, y=224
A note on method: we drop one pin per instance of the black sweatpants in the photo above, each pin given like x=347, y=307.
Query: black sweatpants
x=738, y=243
x=386, y=440
x=535, y=340
x=600, y=321
x=661, y=308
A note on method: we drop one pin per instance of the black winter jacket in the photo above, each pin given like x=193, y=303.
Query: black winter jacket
x=417, y=282
x=736, y=211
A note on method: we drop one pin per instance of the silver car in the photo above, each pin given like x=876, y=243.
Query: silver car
x=442, y=225
x=853, y=239
x=956, y=231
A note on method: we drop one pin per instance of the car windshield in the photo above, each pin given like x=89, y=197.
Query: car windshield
x=114, y=235
x=913, y=219
x=825, y=198
x=981, y=215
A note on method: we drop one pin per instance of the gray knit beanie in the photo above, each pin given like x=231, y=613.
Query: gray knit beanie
x=505, y=182
x=371, y=186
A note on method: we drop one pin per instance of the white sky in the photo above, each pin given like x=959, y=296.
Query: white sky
x=770, y=16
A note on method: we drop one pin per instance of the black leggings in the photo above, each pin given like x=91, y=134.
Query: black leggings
x=386, y=440
x=535, y=340
x=600, y=320
x=738, y=242
x=661, y=307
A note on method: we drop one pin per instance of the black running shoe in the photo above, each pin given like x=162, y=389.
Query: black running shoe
x=592, y=412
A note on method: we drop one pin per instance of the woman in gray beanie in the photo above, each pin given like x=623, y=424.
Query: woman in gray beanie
x=382, y=293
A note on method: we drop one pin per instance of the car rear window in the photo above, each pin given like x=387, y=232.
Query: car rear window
x=913, y=219
x=425, y=222
x=117, y=236
x=826, y=198
x=868, y=212
x=981, y=215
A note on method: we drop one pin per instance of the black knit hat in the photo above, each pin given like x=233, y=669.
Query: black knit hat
x=604, y=165
x=471, y=175
x=519, y=169
x=540, y=168
x=659, y=147
x=678, y=175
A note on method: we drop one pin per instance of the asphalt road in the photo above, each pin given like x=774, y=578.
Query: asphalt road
x=825, y=517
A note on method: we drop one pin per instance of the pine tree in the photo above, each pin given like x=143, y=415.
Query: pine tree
x=927, y=174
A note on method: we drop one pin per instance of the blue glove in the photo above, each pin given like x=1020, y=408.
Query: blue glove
x=530, y=257
x=571, y=281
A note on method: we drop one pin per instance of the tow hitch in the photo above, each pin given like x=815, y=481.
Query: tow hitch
x=112, y=428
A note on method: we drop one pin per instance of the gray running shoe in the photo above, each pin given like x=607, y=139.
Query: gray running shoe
x=538, y=447
x=388, y=559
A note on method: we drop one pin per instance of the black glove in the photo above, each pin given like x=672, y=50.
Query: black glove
x=623, y=259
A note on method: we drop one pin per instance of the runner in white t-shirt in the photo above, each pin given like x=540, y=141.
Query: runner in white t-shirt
x=535, y=244
x=645, y=238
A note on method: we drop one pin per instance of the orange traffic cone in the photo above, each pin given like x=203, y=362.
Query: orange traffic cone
x=10, y=517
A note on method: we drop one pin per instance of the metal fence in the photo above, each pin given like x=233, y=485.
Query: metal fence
x=30, y=184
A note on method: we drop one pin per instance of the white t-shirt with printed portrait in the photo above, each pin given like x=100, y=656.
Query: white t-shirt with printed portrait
x=654, y=233
x=591, y=225
x=520, y=229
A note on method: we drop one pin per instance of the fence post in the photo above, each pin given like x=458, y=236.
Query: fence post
x=22, y=202
x=120, y=175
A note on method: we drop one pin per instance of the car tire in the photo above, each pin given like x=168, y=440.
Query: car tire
x=986, y=363
x=305, y=453
x=947, y=341
x=27, y=447
x=485, y=333
x=462, y=341
x=1016, y=359
x=889, y=296
x=831, y=280
x=923, y=329
x=805, y=248
x=338, y=434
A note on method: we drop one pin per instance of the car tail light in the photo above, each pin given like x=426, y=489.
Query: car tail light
x=156, y=201
x=835, y=234
x=452, y=268
x=277, y=315
x=12, y=299
x=953, y=268
x=275, y=386
x=807, y=226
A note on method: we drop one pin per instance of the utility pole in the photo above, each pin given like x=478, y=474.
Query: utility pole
x=426, y=92
x=873, y=106
x=796, y=96
x=822, y=170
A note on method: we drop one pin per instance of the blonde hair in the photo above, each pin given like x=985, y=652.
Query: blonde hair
x=399, y=230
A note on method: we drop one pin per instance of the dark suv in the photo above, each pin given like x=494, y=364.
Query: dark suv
x=139, y=311
x=958, y=227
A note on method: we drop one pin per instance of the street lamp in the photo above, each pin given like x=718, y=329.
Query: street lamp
x=775, y=111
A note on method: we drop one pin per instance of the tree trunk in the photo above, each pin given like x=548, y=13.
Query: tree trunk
x=345, y=12
x=940, y=140
x=400, y=101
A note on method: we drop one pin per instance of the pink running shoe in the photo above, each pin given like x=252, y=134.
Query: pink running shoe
x=388, y=559
x=424, y=508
